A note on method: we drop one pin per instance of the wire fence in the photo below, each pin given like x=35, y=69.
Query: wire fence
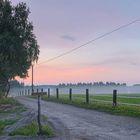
x=115, y=98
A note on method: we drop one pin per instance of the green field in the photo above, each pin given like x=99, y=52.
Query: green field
x=121, y=98
x=128, y=104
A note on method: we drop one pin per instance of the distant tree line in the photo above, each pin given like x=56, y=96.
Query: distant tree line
x=92, y=84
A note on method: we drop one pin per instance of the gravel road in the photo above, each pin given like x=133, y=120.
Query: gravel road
x=73, y=123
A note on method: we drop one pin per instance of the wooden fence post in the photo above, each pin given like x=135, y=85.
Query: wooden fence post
x=57, y=93
x=48, y=92
x=70, y=94
x=114, y=97
x=87, y=96
x=42, y=90
x=28, y=91
x=25, y=92
x=39, y=115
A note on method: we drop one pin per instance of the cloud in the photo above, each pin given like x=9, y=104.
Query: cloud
x=134, y=63
x=67, y=37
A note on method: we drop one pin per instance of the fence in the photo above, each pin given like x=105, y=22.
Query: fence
x=88, y=97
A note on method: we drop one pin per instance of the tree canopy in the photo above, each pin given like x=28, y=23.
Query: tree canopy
x=18, y=44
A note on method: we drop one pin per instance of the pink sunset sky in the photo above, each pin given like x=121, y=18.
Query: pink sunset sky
x=61, y=25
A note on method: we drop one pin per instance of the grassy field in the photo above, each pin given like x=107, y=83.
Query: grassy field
x=128, y=104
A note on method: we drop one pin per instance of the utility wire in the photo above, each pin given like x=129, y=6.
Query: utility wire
x=91, y=41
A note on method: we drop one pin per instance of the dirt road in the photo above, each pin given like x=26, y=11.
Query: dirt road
x=72, y=123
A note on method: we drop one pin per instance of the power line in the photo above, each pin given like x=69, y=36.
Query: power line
x=91, y=41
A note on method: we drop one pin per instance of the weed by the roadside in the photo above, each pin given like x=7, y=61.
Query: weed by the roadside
x=32, y=130
x=47, y=131
x=10, y=105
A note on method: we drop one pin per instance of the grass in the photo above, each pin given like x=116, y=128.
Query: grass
x=96, y=103
x=10, y=105
x=130, y=95
x=4, y=123
x=10, y=101
x=32, y=130
x=124, y=98
x=47, y=131
x=119, y=99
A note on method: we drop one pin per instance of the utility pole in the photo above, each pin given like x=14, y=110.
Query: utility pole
x=32, y=78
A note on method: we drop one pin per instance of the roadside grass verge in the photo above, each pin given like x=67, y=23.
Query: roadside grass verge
x=96, y=103
x=32, y=130
x=4, y=123
x=10, y=105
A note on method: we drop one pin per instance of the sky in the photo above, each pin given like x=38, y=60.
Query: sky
x=61, y=25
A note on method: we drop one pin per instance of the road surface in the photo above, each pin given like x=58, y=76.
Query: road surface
x=73, y=123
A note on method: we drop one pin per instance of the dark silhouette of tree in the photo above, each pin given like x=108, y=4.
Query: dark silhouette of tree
x=18, y=44
x=92, y=84
x=15, y=83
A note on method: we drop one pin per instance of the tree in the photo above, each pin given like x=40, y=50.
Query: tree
x=18, y=44
x=15, y=83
